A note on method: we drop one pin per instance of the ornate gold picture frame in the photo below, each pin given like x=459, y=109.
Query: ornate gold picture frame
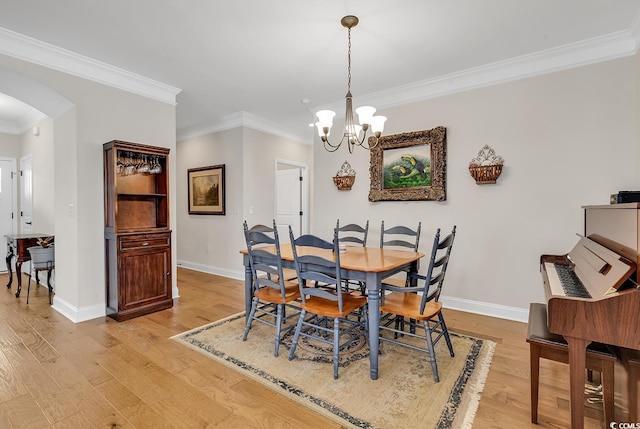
x=409, y=167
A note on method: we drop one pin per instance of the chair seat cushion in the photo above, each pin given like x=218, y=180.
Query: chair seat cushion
x=329, y=308
x=267, y=294
x=408, y=305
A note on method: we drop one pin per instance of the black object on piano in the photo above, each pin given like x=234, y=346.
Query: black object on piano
x=625, y=197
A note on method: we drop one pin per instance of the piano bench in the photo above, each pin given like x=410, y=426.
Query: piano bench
x=543, y=344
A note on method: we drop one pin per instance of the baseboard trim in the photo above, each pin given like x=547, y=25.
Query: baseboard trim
x=469, y=306
x=486, y=308
x=77, y=314
x=237, y=275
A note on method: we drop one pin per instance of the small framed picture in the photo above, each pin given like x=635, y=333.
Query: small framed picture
x=206, y=190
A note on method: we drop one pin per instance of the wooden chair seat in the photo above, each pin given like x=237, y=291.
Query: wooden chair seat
x=545, y=345
x=328, y=308
x=408, y=305
x=292, y=292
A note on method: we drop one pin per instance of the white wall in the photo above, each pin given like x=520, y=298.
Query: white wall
x=205, y=242
x=261, y=150
x=211, y=243
x=9, y=146
x=95, y=114
x=41, y=150
x=568, y=139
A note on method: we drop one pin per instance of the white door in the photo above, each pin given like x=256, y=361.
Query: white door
x=26, y=196
x=7, y=200
x=288, y=202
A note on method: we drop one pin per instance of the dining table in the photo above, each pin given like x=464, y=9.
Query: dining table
x=365, y=264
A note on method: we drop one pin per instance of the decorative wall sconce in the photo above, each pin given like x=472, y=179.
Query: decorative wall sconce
x=486, y=167
x=345, y=177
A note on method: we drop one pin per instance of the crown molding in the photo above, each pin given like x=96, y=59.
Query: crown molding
x=35, y=51
x=241, y=119
x=616, y=45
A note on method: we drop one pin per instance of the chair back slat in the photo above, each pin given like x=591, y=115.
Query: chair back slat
x=258, y=238
x=353, y=233
x=400, y=236
x=266, y=266
x=438, y=263
x=317, y=269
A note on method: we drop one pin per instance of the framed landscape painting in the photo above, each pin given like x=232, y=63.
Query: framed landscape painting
x=409, y=167
x=206, y=190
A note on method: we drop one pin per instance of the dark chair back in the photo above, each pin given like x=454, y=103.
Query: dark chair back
x=400, y=236
x=315, y=266
x=438, y=263
x=263, y=247
x=353, y=233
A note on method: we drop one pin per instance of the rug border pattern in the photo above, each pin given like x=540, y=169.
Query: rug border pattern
x=444, y=422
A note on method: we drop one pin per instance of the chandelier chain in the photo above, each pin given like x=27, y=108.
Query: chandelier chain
x=349, y=63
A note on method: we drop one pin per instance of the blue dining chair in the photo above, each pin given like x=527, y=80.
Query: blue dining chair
x=318, y=261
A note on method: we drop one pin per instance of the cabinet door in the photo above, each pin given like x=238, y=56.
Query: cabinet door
x=145, y=277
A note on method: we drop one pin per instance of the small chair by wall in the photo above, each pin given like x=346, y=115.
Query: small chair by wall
x=42, y=259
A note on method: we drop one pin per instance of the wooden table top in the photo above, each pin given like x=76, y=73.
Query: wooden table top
x=356, y=258
x=26, y=236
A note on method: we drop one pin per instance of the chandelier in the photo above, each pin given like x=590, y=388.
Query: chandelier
x=366, y=119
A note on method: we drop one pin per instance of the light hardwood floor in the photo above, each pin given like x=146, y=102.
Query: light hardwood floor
x=104, y=374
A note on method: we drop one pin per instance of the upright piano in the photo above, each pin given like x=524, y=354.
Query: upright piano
x=592, y=291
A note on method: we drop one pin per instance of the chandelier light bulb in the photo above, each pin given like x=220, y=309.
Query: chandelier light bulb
x=377, y=124
x=365, y=114
x=325, y=118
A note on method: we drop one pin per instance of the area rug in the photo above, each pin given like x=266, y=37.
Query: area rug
x=404, y=396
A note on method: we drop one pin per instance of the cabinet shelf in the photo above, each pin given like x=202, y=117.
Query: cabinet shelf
x=142, y=195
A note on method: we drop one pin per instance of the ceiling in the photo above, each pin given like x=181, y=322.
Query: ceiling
x=258, y=60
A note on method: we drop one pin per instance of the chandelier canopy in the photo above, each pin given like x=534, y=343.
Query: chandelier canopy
x=366, y=119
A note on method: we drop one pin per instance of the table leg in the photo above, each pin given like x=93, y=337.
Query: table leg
x=49, y=284
x=8, y=260
x=577, y=364
x=18, y=277
x=373, y=293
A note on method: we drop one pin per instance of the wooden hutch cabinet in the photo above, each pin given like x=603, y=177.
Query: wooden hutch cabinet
x=137, y=234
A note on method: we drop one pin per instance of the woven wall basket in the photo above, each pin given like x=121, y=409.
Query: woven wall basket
x=485, y=174
x=344, y=183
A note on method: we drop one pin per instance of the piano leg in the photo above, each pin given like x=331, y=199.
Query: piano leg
x=577, y=365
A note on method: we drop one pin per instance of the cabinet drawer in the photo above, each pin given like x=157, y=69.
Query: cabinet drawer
x=144, y=241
